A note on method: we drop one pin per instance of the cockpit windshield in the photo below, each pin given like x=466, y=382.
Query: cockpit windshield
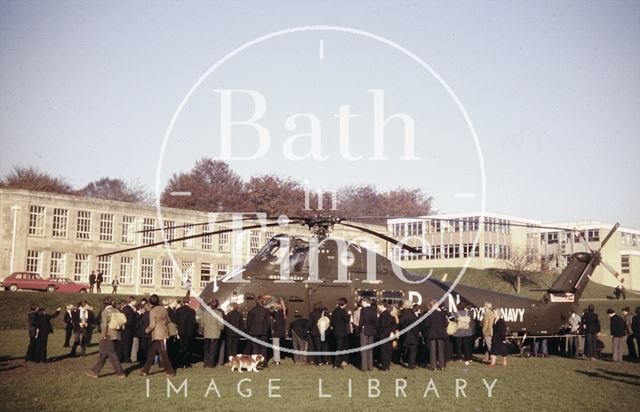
x=277, y=248
x=274, y=250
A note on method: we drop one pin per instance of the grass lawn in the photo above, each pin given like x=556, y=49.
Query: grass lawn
x=542, y=383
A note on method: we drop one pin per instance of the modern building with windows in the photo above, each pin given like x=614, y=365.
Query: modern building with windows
x=453, y=240
x=622, y=251
x=479, y=240
x=59, y=235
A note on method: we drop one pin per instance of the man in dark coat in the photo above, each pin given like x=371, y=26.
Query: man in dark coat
x=129, y=311
x=68, y=325
x=259, y=326
x=92, y=281
x=187, y=327
x=386, y=326
x=435, y=326
x=618, y=331
x=635, y=328
x=316, y=344
x=32, y=328
x=591, y=327
x=298, y=333
x=368, y=331
x=410, y=338
x=43, y=329
x=99, y=280
x=340, y=327
x=80, y=324
x=233, y=318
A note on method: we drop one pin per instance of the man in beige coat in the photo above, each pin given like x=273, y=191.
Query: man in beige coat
x=108, y=336
x=159, y=330
x=487, y=327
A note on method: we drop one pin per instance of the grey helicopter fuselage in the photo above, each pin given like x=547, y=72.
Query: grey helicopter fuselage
x=303, y=271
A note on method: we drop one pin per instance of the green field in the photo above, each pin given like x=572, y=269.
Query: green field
x=544, y=384
x=550, y=383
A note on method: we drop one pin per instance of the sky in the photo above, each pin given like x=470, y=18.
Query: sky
x=529, y=109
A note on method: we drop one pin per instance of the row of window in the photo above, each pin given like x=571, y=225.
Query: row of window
x=452, y=251
x=107, y=223
x=591, y=235
x=468, y=224
x=630, y=239
x=123, y=270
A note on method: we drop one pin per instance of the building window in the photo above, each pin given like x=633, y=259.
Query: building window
x=57, y=268
x=207, y=241
x=106, y=227
x=552, y=238
x=254, y=242
x=268, y=236
x=128, y=229
x=146, y=272
x=60, y=222
x=223, y=240
x=187, y=274
x=625, y=268
x=167, y=277
x=189, y=230
x=223, y=269
x=169, y=230
x=148, y=234
x=205, y=274
x=469, y=251
x=81, y=267
x=34, y=261
x=126, y=270
x=594, y=235
x=83, y=225
x=104, y=266
x=36, y=220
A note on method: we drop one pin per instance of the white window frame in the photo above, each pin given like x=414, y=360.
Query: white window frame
x=146, y=271
x=106, y=227
x=128, y=229
x=126, y=270
x=34, y=261
x=83, y=225
x=81, y=266
x=57, y=266
x=37, y=215
x=148, y=237
x=167, y=276
x=60, y=222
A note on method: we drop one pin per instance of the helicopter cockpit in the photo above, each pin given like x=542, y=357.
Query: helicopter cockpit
x=281, y=246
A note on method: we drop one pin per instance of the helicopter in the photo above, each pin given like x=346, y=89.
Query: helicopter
x=303, y=270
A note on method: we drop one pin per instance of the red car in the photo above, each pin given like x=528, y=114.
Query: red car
x=33, y=281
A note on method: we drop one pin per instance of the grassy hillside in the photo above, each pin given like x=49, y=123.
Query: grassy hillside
x=491, y=279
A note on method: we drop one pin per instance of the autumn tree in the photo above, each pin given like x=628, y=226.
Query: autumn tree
x=32, y=178
x=275, y=196
x=116, y=189
x=212, y=187
x=520, y=265
x=365, y=200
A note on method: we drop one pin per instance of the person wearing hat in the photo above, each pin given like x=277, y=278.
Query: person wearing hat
x=618, y=331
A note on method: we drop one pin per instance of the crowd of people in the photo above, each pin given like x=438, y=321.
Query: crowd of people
x=152, y=331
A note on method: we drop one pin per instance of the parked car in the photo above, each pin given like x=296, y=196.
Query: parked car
x=33, y=281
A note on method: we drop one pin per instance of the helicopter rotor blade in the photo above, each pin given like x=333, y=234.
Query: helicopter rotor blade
x=382, y=236
x=166, y=241
x=612, y=270
x=210, y=223
x=584, y=242
x=611, y=232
